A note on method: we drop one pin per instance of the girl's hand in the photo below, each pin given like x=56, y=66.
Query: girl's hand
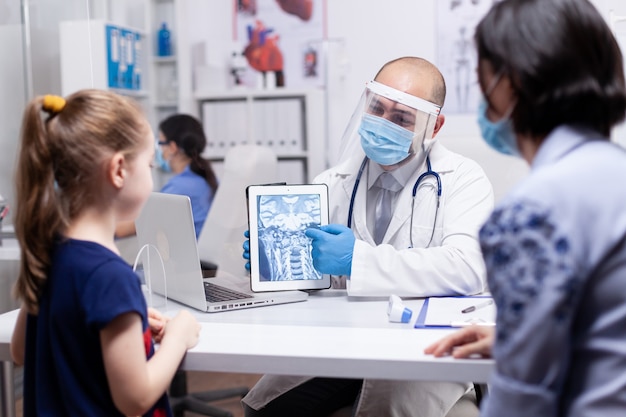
x=157, y=322
x=471, y=340
x=184, y=327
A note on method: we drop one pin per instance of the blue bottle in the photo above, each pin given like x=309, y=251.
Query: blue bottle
x=164, y=46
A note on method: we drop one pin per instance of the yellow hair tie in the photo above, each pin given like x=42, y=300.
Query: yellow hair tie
x=53, y=104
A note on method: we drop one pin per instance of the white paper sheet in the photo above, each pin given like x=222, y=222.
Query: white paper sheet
x=448, y=311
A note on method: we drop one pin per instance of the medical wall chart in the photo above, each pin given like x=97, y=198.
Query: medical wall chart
x=456, y=56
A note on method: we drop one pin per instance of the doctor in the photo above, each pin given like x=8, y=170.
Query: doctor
x=406, y=213
x=437, y=199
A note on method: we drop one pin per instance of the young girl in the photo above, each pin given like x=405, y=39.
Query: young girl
x=83, y=331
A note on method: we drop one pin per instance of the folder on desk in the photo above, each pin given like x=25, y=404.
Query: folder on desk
x=456, y=312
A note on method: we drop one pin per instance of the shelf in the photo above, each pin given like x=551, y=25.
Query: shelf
x=166, y=105
x=244, y=93
x=288, y=121
x=282, y=156
x=130, y=93
x=300, y=155
x=171, y=59
x=163, y=83
x=116, y=61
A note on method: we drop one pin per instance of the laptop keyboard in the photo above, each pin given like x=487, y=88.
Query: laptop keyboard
x=217, y=293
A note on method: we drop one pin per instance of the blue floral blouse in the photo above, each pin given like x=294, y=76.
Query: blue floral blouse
x=555, y=252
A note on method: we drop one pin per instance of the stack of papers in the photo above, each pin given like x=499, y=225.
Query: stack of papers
x=457, y=312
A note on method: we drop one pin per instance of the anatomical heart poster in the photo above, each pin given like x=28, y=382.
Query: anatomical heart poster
x=281, y=41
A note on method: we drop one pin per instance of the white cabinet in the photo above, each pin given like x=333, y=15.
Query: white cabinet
x=103, y=55
x=164, y=85
x=291, y=122
x=96, y=53
x=106, y=53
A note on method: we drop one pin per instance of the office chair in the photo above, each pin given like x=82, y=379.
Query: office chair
x=181, y=400
x=469, y=404
x=221, y=238
x=220, y=249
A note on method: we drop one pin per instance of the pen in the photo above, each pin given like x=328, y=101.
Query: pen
x=465, y=323
x=477, y=306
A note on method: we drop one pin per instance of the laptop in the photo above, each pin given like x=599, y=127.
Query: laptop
x=167, y=242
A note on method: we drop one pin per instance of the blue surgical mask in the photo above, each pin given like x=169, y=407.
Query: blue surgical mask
x=384, y=142
x=499, y=135
x=161, y=162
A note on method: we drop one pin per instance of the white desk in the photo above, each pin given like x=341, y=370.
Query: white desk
x=329, y=335
x=10, y=250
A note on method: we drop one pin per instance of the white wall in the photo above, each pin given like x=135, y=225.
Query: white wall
x=12, y=91
x=44, y=17
x=44, y=53
x=383, y=30
x=386, y=31
x=364, y=34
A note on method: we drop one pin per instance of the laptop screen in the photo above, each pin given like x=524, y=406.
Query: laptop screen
x=169, y=252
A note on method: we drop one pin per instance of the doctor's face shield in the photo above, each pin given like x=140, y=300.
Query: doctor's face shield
x=389, y=126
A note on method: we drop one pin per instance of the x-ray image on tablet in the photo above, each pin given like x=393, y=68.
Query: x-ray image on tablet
x=280, y=252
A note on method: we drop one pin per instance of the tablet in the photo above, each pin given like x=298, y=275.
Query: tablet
x=280, y=252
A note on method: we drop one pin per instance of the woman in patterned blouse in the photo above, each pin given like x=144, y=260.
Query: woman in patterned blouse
x=552, y=77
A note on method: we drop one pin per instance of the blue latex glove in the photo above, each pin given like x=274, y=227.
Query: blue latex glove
x=246, y=249
x=332, y=249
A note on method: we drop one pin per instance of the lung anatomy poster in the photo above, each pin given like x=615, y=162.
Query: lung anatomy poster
x=281, y=43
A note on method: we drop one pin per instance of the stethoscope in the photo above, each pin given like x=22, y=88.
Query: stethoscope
x=429, y=172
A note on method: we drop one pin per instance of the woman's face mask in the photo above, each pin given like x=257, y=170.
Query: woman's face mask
x=161, y=162
x=384, y=142
x=498, y=135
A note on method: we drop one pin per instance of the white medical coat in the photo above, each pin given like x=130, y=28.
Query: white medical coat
x=452, y=264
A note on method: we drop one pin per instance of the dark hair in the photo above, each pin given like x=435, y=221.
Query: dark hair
x=563, y=62
x=60, y=170
x=187, y=133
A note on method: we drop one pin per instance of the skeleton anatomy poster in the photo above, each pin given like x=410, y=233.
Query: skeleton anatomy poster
x=456, y=54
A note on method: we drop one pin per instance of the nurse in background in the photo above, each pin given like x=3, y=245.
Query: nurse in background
x=552, y=78
x=181, y=143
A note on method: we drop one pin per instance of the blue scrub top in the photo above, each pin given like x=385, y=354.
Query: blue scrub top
x=196, y=188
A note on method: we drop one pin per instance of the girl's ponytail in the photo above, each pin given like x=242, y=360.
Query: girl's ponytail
x=39, y=216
